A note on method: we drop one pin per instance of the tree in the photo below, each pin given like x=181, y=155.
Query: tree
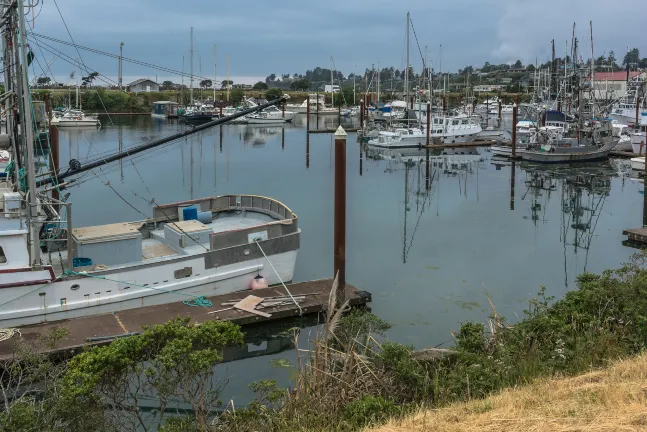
x=273, y=93
x=612, y=61
x=530, y=67
x=87, y=80
x=206, y=83
x=260, y=86
x=226, y=83
x=632, y=58
x=167, y=85
x=270, y=78
x=43, y=81
x=518, y=64
x=236, y=96
x=172, y=363
x=301, y=84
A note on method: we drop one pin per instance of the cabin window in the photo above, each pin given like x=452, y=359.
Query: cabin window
x=3, y=257
x=464, y=122
x=454, y=122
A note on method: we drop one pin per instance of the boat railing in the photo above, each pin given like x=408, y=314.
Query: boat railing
x=256, y=203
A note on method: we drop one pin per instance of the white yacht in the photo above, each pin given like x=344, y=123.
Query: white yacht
x=639, y=136
x=268, y=115
x=74, y=118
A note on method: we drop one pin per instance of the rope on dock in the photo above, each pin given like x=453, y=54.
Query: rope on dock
x=277, y=275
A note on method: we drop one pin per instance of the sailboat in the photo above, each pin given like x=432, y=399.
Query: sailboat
x=51, y=270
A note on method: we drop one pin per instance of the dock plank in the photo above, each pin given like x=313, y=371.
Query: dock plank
x=108, y=326
x=636, y=235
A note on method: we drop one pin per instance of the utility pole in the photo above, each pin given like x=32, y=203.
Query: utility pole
x=121, y=55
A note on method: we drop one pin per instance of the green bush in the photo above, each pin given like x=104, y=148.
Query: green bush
x=369, y=410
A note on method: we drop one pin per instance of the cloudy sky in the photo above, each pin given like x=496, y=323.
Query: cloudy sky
x=262, y=37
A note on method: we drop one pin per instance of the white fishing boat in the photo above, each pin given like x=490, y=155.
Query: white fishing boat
x=263, y=118
x=268, y=115
x=186, y=250
x=75, y=118
x=639, y=135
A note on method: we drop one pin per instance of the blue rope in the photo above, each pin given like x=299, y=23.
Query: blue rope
x=199, y=301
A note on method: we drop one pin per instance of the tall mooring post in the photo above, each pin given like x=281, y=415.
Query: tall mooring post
x=512, y=182
x=340, y=214
x=361, y=114
x=637, y=110
x=428, y=121
x=308, y=115
x=514, y=130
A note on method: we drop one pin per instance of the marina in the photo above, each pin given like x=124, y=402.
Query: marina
x=222, y=241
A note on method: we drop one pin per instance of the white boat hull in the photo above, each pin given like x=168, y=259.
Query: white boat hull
x=547, y=157
x=76, y=123
x=130, y=289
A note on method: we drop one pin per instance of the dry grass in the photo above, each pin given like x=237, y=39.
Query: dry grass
x=614, y=399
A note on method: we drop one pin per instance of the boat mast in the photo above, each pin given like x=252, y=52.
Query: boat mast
x=191, y=74
x=215, y=77
x=592, y=72
x=406, y=68
x=378, y=81
x=332, y=85
x=28, y=128
x=182, y=88
x=77, y=83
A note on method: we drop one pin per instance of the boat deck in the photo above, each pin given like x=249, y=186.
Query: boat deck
x=103, y=329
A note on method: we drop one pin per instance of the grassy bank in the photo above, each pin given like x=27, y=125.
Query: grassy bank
x=611, y=399
x=348, y=378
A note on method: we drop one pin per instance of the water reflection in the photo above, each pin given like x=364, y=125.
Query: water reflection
x=582, y=191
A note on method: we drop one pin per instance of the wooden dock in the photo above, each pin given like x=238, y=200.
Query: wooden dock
x=103, y=329
x=636, y=235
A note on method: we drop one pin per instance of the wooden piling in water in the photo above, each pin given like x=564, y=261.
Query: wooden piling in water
x=340, y=214
x=514, y=130
x=283, y=109
x=361, y=159
x=411, y=101
x=428, y=121
x=512, y=182
x=308, y=115
x=500, y=109
x=637, y=110
x=307, y=150
x=220, y=138
x=283, y=138
x=361, y=114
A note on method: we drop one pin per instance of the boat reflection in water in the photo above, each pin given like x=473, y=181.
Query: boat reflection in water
x=582, y=191
x=422, y=178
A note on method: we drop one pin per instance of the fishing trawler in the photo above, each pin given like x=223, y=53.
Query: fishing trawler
x=51, y=270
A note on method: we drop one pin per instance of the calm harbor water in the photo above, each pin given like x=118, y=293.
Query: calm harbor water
x=428, y=257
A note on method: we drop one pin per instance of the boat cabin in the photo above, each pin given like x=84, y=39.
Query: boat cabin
x=165, y=109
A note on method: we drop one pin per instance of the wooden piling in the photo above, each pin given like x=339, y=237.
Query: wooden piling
x=361, y=114
x=283, y=138
x=361, y=159
x=221, y=139
x=428, y=121
x=512, y=182
x=644, y=204
x=637, y=110
x=559, y=106
x=340, y=213
x=411, y=102
x=514, y=130
x=283, y=109
x=487, y=111
x=500, y=109
x=427, y=173
x=307, y=150
x=308, y=115
x=444, y=104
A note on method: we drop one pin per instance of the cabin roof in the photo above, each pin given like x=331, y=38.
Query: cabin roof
x=165, y=103
x=615, y=76
x=140, y=81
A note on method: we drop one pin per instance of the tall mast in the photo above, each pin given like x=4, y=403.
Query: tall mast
x=332, y=85
x=28, y=128
x=592, y=72
x=191, y=74
x=378, y=82
x=77, y=83
x=182, y=87
x=406, y=69
x=215, y=76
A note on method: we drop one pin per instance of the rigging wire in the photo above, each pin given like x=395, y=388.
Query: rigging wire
x=81, y=58
x=126, y=59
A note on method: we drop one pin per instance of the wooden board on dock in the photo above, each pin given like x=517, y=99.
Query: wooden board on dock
x=636, y=235
x=622, y=154
x=102, y=329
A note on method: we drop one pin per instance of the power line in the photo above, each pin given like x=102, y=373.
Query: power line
x=137, y=62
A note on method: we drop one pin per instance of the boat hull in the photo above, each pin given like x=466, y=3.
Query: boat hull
x=638, y=164
x=124, y=289
x=547, y=157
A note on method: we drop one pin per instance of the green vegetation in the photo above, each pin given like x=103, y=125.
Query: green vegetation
x=350, y=376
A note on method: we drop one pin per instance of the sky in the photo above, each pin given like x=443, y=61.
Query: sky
x=261, y=37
